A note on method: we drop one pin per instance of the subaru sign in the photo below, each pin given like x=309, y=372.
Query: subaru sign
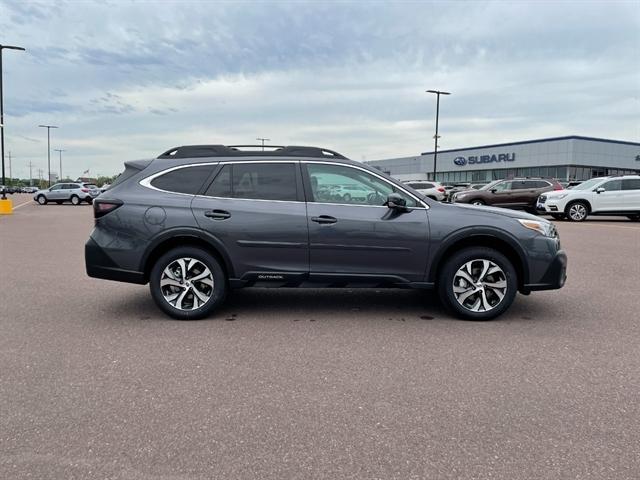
x=477, y=159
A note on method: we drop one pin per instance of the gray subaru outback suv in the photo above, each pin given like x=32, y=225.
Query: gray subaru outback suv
x=199, y=220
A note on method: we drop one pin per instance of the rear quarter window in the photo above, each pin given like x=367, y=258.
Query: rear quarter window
x=187, y=180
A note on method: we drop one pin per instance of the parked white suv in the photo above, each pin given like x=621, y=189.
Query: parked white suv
x=433, y=190
x=76, y=193
x=617, y=195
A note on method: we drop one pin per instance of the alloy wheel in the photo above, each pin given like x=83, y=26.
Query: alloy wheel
x=479, y=285
x=186, y=284
x=577, y=212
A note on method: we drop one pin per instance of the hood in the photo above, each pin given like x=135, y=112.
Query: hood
x=556, y=193
x=505, y=212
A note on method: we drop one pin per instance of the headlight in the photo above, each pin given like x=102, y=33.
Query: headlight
x=545, y=228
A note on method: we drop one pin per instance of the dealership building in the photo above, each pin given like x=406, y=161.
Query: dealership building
x=565, y=158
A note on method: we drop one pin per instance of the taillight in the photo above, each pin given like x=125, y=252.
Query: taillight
x=85, y=190
x=557, y=186
x=441, y=189
x=102, y=207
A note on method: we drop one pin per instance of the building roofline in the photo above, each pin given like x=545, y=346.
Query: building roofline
x=540, y=140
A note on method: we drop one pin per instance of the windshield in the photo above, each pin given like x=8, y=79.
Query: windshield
x=588, y=184
x=489, y=186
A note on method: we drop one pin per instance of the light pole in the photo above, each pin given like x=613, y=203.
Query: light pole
x=2, y=47
x=60, y=152
x=435, y=151
x=48, y=127
x=263, y=140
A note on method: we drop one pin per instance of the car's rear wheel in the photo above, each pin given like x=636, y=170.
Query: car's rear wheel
x=188, y=283
x=478, y=203
x=42, y=200
x=75, y=199
x=577, y=211
x=634, y=218
x=477, y=283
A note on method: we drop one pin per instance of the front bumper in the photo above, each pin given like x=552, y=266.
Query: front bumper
x=100, y=265
x=555, y=276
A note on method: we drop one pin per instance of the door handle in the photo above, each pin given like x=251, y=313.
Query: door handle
x=217, y=214
x=324, y=219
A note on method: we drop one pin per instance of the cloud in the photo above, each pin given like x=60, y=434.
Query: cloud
x=128, y=80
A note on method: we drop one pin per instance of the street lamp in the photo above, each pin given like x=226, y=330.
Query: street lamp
x=263, y=140
x=60, y=152
x=48, y=127
x=436, y=136
x=3, y=47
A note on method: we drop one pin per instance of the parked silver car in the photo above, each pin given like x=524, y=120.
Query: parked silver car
x=76, y=193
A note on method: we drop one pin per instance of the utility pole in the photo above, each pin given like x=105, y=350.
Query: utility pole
x=48, y=127
x=2, y=47
x=436, y=136
x=263, y=140
x=30, y=175
x=60, y=152
x=10, y=174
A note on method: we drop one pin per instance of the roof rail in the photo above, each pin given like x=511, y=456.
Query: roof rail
x=193, y=151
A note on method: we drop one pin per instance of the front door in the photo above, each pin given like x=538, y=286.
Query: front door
x=257, y=211
x=503, y=194
x=352, y=233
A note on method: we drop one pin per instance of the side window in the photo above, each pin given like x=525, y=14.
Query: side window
x=339, y=184
x=257, y=181
x=221, y=186
x=631, y=184
x=502, y=186
x=522, y=185
x=183, y=180
x=612, y=186
x=264, y=181
x=56, y=187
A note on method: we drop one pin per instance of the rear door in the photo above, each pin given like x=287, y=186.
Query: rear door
x=362, y=239
x=256, y=209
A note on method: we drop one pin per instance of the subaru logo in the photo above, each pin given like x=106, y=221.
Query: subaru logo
x=460, y=161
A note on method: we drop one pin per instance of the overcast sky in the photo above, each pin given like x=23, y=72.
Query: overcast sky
x=127, y=80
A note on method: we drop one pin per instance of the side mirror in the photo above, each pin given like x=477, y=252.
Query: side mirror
x=395, y=201
x=600, y=189
x=493, y=190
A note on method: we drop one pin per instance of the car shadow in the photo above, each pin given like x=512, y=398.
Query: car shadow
x=310, y=304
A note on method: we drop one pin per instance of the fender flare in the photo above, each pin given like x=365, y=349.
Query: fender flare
x=467, y=233
x=196, y=233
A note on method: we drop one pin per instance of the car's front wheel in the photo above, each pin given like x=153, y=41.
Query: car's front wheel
x=478, y=203
x=42, y=200
x=188, y=283
x=477, y=283
x=577, y=211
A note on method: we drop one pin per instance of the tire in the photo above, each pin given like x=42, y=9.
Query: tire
x=42, y=200
x=634, y=218
x=346, y=197
x=89, y=200
x=557, y=216
x=75, y=199
x=577, y=211
x=474, y=260
x=477, y=203
x=190, y=306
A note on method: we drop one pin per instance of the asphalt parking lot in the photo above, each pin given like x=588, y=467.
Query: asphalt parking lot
x=97, y=383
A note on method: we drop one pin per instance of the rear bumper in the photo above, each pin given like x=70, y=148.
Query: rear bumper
x=555, y=276
x=99, y=265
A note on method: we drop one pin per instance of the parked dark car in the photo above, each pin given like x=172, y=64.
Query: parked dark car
x=516, y=193
x=199, y=220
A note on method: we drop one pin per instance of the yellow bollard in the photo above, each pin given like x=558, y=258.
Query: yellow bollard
x=6, y=207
